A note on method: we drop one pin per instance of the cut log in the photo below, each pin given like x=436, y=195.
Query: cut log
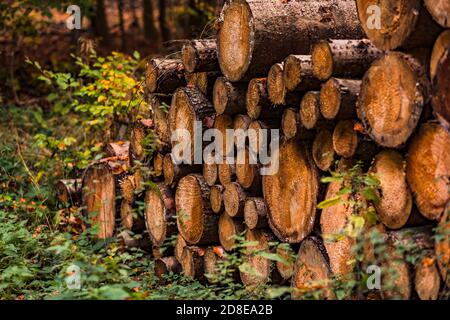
x=427, y=281
x=130, y=218
x=392, y=24
x=141, y=242
x=188, y=106
x=158, y=164
x=234, y=197
x=210, y=171
x=428, y=169
x=290, y=123
x=310, y=110
x=255, y=270
x=442, y=246
x=349, y=59
x=127, y=188
x=216, y=199
x=174, y=172
x=394, y=208
x=396, y=282
x=257, y=99
x=223, y=123
x=345, y=139
x=338, y=98
x=298, y=74
x=180, y=243
x=312, y=271
x=227, y=172
x=117, y=149
x=203, y=81
x=440, y=11
x=165, y=267
x=160, y=213
x=439, y=67
x=164, y=75
x=323, y=149
x=229, y=98
x=392, y=96
x=200, y=56
x=193, y=262
x=68, y=192
x=260, y=134
x=195, y=220
x=160, y=108
x=291, y=193
x=229, y=231
x=275, y=84
x=285, y=268
x=253, y=35
x=139, y=132
x=255, y=213
x=216, y=270
x=247, y=174
x=241, y=123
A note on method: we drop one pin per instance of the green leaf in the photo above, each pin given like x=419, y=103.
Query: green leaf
x=329, y=202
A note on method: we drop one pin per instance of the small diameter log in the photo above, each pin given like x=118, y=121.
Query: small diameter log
x=298, y=74
x=129, y=217
x=323, y=149
x=255, y=270
x=160, y=109
x=257, y=99
x=312, y=271
x=200, y=56
x=293, y=27
x=195, y=220
x=247, y=173
x=117, y=149
x=188, y=106
x=223, y=123
x=442, y=246
x=214, y=257
x=229, y=98
x=395, y=205
x=255, y=213
x=68, y=192
x=310, y=110
x=428, y=169
x=164, y=75
x=139, y=132
x=439, y=66
x=128, y=239
x=158, y=164
x=180, y=243
x=338, y=98
x=393, y=93
x=349, y=59
x=229, y=230
x=275, y=84
x=290, y=123
x=260, y=134
x=165, y=267
x=285, y=268
x=216, y=199
x=240, y=123
x=227, y=172
x=210, y=171
x=291, y=193
x=393, y=24
x=192, y=262
x=234, y=197
x=174, y=172
x=345, y=139
x=440, y=11
x=427, y=281
x=203, y=81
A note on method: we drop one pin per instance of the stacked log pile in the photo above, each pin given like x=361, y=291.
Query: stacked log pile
x=340, y=90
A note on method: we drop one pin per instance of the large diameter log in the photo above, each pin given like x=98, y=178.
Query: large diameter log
x=348, y=59
x=391, y=100
x=312, y=271
x=68, y=192
x=188, y=106
x=174, y=172
x=164, y=75
x=298, y=74
x=255, y=213
x=395, y=205
x=439, y=67
x=428, y=169
x=442, y=246
x=291, y=193
x=229, y=98
x=323, y=149
x=165, y=267
x=255, y=270
x=160, y=108
x=216, y=198
x=427, y=281
x=338, y=98
x=257, y=99
x=229, y=231
x=160, y=213
x=440, y=11
x=192, y=262
x=392, y=24
x=253, y=35
x=200, y=56
x=195, y=220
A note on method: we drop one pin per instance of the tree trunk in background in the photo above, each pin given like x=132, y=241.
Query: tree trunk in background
x=165, y=32
x=100, y=23
x=121, y=24
x=149, y=21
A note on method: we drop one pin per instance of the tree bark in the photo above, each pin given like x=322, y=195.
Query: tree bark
x=203, y=81
x=200, y=56
x=338, y=98
x=442, y=246
x=149, y=21
x=298, y=74
x=164, y=75
x=193, y=262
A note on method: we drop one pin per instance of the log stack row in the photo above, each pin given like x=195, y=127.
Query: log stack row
x=342, y=86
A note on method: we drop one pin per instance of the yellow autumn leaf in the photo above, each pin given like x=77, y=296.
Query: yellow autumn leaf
x=101, y=99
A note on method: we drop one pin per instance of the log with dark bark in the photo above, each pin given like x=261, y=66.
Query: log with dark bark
x=253, y=35
x=229, y=230
x=195, y=220
x=229, y=98
x=255, y=213
x=427, y=281
x=200, y=56
x=338, y=98
x=428, y=169
x=117, y=149
x=323, y=149
x=291, y=193
x=298, y=74
x=392, y=24
x=392, y=96
x=234, y=197
x=257, y=100
x=312, y=271
x=345, y=139
x=216, y=198
x=68, y=192
x=395, y=205
x=439, y=66
x=193, y=261
x=164, y=75
x=349, y=59
x=310, y=110
x=174, y=172
x=160, y=213
x=440, y=11
x=165, y=267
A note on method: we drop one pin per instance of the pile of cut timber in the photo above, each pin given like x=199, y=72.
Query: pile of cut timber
x=340, y=85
